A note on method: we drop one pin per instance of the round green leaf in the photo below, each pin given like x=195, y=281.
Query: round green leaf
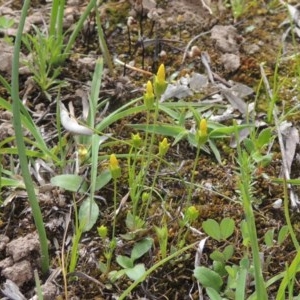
x=212, y=228
x=208, y=278
x=73, y=183
x=227, y=228
x=136, y=272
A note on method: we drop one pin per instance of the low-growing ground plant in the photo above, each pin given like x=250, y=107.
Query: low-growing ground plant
x=49, y=50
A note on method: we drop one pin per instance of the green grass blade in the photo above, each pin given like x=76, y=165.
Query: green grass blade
x=103, y=44
x=78, y=27
x=28, y=123
x=119, y=114
x=93, y=99
x=36, y=211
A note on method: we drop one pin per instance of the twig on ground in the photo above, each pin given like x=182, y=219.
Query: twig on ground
x=119, y=62
x=207, y=7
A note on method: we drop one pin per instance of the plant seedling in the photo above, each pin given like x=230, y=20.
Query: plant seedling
x=127, y=263
x=218, y=231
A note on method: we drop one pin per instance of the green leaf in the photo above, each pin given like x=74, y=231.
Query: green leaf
x=241, y=279
x=114, y=275
x=245, y=233
x=227, y=228
x=12, y=182
x=264, y=138
x=212, y=228
x=283, y=233
x=231, y=271
x=140, y=248
x=249, y=145
x=219, y=267
x=88, y=214
x=213, y=294
x=226, y=131
x=269, y=238
x=290, y=181
x=215, y=151
x=124, y=261
x=228, y=252
x=264, y=160
x=73, y=183
x=136, y=272
x=208, y=278
x=103, y=179
x=133, y=222
x=182, y=135
x=217, y=256
x=163, y=129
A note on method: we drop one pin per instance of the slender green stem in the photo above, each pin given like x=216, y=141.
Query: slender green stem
x=152, y=188
x=245, y=188
x=75, y=241
x=112, y=244
x=287, y=215
x=36, y=211
x=191, y=186
x=115, y=210
x=150, y=148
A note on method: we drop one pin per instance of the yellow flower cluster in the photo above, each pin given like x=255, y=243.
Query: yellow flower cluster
x=157, y=89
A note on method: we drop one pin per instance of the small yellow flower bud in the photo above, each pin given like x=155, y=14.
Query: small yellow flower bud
x=149, y=96
x=82, y=152
x=203, y=127
x=161, y=74
x=160, y=83
x=114, y=167
x=145, y=196
x=201, y=135
x=102, y=231
x=191, y=213
x=163, y=147
x=136, y=140
x=149, y=88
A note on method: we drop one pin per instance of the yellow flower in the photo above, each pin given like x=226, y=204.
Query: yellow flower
x=163, y=147
x=149, y=88
x=160, y=83
x=149, y=96
x=203, y=127
x=161, y=74
x=114, y=166
x=201, y=135
x=82, y=152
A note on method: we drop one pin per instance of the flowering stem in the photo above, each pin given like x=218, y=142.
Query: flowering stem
x=191, y=186
x=115, y=209
x=152, y=188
